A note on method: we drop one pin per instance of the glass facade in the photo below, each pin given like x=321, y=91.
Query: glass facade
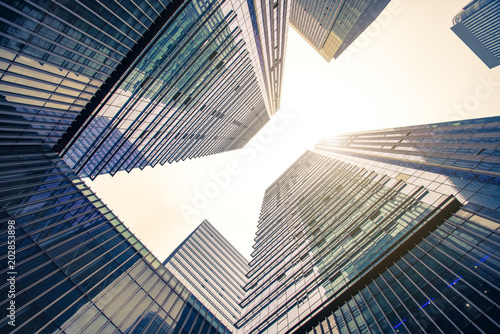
x=477, y=26
x=325, y=225
x=192, y=93
x=447, y=283
x=392, y=230
x=76, y=267
x=459, y=158
x=209, y=266
x=115, y=86
x=331, y=26
x=269, y=21
x=54, y=56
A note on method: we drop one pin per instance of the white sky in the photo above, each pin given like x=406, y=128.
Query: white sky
x=408, y=68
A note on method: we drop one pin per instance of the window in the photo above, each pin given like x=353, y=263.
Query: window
x=176, y=96
x=335, y=275
x=217, y=114
x=301, y=300
x=320, y=242
x=374, y=215
x=355, y=232
x=212, y=55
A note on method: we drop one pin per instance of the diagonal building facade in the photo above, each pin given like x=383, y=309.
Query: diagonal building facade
x=213, y=270
x=117, y=86
x=57, y=56
x=331, y=26
x=382, y=231
x=73, y=267
x=192, y=93
x=477, y=26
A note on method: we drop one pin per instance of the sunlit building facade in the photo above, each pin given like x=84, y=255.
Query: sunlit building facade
x=76, y=267
x=349, y=241
x=213, y=270
x=370, y=232
x=331, y=26
x=193, y=92
x=464, y=153
x=270, y=21
x=477, y=26
x=117, y=86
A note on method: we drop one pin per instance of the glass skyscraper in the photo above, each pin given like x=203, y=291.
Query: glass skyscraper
x=331, y=26
x=213, y=270
x=477, y=26
x=394, y=230
x=193, y=92
x=115, y=86
x=464, y=153
x=270, y=20
x=55, y=56
x=76, y=268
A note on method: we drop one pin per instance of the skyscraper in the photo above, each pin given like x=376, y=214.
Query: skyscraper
x=331, y=26
x=163, y=82
x=270, y=20
x=377, y=231
x=400, y=235
x=477, y=26
x=74, y=266
x=465, y=153
x=382, y=231
x=209, y=266
x=56, y=56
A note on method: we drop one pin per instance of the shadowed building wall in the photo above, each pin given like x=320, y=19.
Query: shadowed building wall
x=77, y=268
